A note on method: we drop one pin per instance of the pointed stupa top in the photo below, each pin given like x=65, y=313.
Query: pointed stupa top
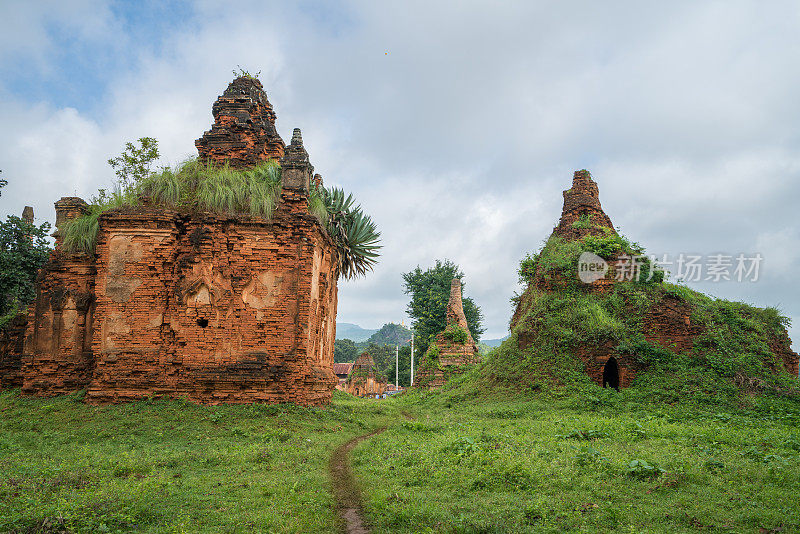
x=455, y=308
x=582, y=213
x=364, y=362
x=243, y=132
x=296, y=170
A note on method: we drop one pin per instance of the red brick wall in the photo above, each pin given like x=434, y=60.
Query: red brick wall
x=214, y=309
x=12, y=340
x=58, y=357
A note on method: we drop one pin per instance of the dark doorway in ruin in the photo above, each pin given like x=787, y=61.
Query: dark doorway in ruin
x=611, y=374
x=202, y=323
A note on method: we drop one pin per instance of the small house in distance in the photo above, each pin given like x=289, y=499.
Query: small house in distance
x=342, y=371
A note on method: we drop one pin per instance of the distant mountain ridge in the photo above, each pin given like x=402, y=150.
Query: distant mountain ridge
x=353, y=332
x=493, y=342
x=391, y=334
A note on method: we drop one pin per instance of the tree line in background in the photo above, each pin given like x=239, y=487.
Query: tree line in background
x=24, y=248
x=430, y=293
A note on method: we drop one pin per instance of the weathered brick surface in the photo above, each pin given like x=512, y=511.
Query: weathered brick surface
x=211, y=307
x=214, y=308
x=12, y=340
x=452, y=356
x=582, y=200
x=363, y=381
x=58, y=356
x=243, y=132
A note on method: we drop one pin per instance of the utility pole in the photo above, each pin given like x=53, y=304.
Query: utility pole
x=396, y=366
x=412, y=360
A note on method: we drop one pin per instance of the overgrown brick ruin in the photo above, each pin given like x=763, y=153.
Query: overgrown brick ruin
x=448, y=355
x=213, y=307
x=363, y=379
x=668, y=322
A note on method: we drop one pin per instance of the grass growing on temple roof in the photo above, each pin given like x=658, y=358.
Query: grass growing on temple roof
x=253, y=192
x=80, y=234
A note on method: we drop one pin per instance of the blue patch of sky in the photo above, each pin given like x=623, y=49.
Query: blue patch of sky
x=79, y=71
x=331, y=17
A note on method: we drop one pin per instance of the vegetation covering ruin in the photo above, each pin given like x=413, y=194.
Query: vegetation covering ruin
x=254, y=192
x=730, y=358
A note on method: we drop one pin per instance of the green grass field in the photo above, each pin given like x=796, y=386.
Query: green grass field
x=465, y=463
x=171, y=466
x=581, y=464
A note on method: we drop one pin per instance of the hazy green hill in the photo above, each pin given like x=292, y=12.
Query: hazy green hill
x=391, y=334
x=493, y=342
x=353, y=332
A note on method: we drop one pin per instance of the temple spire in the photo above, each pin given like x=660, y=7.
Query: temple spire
x=582, y=213
x=243, y=133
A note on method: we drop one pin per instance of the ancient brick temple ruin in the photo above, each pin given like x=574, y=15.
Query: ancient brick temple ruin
x=452, y=349
x=668, y=322
x=363, y=379
x=213, y=307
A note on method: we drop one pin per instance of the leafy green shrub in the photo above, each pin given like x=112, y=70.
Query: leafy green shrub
x=216, y=416
x=505, y=475
x=713, y=465
x=419, y=426
x=610, y=245
x=585, y=221
x=463, y=446
x=587, y=455
x=585, y=435
x=642, y=469
x=793, y=443
x=527, y=268
x=455, y=334
x=638, y=432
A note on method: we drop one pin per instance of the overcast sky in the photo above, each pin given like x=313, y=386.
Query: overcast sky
x=455, y=124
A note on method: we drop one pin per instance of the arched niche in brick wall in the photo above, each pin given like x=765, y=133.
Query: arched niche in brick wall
x=611, y=374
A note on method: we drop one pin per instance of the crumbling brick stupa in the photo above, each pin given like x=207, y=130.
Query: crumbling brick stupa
x=667, y=322
x=452, y=349
x=212, y=307
x=363, y=379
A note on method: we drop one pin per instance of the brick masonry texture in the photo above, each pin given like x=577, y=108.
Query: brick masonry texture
x=207, y=306
x=243, y=132
x=12, y=340
x=668, y=322
x=453, y=356
x=362, y=380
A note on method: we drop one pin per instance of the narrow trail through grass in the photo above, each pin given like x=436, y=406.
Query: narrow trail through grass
x=346, y=489
x=349, y=504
